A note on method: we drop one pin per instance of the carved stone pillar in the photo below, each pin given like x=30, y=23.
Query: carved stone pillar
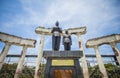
x=4, y=53
x=100, y=63
x=83, y=59
x=37, y=69
x=116, y=51
x=20, y=64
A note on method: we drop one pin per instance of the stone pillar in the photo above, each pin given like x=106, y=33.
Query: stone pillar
x=100, y=63
x=4, y=53
x=20, y=63
x=83, y=59
x=116, y=51
x=40, y=54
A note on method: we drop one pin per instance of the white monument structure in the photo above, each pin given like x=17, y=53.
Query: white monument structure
x=95, y=43
x=76, y=31
x=30, y=43
x=15, y=40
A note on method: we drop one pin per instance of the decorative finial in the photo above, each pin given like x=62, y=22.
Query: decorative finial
x=57, y=23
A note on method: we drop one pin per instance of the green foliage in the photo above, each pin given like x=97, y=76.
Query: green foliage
x=27, y=72
x=113, y=71
x=8, y=71
x=95, y=72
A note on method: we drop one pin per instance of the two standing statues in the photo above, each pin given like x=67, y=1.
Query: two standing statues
x=56, y=38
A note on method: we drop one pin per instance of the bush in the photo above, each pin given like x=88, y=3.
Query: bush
x=8, y=71
x=113, y=71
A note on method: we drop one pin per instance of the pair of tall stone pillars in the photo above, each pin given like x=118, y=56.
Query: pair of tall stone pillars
x=116, y=51
x=21, y=61
x=100, y=63
x=20, y=64
x=40, y=54
x=83, y=59
x=15, y=40
x=4, y=53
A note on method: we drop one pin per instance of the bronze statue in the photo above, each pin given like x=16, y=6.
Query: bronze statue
x=56, y=37
x=67, y=42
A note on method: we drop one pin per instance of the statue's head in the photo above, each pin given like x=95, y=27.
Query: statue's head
x=57, y=24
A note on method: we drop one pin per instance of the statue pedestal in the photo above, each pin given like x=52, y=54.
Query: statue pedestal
x=63, y=64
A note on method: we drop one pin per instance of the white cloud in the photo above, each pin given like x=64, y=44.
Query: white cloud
x=96, y=15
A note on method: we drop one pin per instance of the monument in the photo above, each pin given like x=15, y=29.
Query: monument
x=61, y=64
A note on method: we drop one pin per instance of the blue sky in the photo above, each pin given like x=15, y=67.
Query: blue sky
x=21, y=17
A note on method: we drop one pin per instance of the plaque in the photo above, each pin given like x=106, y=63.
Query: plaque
x=62, y=62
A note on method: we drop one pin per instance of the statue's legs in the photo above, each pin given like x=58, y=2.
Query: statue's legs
x=67, y=46
x=56, y=43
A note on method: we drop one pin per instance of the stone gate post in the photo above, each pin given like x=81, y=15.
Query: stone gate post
x=100, y=63
x=37, y=71
x=4, y=53
x=20, y=63
x=83, y=59
x=116, y=51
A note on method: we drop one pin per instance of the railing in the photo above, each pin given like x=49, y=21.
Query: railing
x=31, y=59
x=63, y=54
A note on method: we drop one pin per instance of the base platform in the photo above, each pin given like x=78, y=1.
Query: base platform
x=63, y=67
